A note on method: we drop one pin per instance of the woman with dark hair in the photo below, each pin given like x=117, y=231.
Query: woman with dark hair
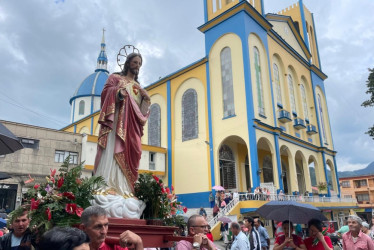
x=64, y=238
x=316, y=240
x=288, y=240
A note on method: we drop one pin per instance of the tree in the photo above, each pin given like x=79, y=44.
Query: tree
x=370, y=102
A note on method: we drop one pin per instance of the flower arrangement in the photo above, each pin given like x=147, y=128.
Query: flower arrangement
x=161, y=202
x=322, y=186
x=61, y=200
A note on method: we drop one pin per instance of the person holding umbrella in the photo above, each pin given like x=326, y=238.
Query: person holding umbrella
x=317, y=240
x=288, y=240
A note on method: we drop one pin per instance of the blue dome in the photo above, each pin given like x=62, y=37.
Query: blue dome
x=93, y=84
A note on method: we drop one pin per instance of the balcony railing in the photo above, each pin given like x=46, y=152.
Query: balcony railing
x=278, y=197
x=284, y=116
x=311, y=129
x=299, y=123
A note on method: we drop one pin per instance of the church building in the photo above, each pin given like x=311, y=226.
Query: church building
x=251, y=111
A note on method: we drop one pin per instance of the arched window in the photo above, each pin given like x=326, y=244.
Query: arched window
x=329, y=176
x=321, y=118
x=154, y=126
x=313, y=178
x=277, y=84
x=81, y=107
x=267, y=169
x=260, y=91
x=305, y=104
x=227, y=83
x=190, y=123
x=227, y=167
x=292, y=93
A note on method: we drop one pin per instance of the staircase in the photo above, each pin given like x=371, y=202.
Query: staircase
x=192, y=211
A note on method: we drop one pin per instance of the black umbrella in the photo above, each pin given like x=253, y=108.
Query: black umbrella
x=4, y=176
x=9, y=143
x=290, y=210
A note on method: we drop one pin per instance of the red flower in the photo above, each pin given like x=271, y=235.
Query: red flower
x=156, y=178
x=34, y=204
x=69, y=195
x=79, y=211
x=172, y=188
x=163, y=190
x=60, y=182
x=185, y=209
x=53, y=172
x=36, y=186
x=70, y=208
x=48, y=213
x=168, y=190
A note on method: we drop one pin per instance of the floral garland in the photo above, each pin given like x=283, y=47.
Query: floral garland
x=61, y=199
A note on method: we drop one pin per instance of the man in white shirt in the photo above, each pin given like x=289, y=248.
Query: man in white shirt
x=241, y=241
x=253, y=236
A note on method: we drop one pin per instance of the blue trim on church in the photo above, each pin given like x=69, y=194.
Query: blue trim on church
x=170, y=171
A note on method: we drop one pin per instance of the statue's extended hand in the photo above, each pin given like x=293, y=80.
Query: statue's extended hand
x=143, y=92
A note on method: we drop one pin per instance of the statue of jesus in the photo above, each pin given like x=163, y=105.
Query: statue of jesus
x=124, y=112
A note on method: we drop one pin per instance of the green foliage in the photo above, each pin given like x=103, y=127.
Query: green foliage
x=160, y=201
x=177, y=221
x=322, y=186
x=61, y=199
x=370, y=102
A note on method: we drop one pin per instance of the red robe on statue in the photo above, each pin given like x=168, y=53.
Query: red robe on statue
x=133, y=113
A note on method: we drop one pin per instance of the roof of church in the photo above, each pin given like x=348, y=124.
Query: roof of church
x=91, y=86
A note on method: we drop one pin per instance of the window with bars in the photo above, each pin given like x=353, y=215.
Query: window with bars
x=190, y=123
x=260, y=90
x=30, y=143
x=305, y=104
x=61, y=155
x=277, y=84
x=292, y=94
x=154, y=126
x=362, y=197
x=346, y=184
x=227, y=83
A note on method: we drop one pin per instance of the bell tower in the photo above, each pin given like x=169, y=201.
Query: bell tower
x=214, y=8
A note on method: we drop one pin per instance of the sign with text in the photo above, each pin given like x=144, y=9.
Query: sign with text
x=8, y=186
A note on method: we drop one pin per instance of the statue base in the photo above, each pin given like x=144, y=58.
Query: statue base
x=152, y=236
x=119, y=207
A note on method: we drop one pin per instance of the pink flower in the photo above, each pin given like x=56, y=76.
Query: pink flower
x=172, y=188
x=60, y=182
x=170, y=196
x=78, y=181
x=36, y=186
x=167, y=190
x=79, y=211
x=53, y=172
x=48, y=213
x=34, y=204
x=69, y=195
x=70, y=208
x=29, y=180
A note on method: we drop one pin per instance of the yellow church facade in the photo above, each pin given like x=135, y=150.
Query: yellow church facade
x=251, y=111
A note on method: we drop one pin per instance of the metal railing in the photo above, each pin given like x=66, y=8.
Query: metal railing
x=224, y=211
x=300, y=198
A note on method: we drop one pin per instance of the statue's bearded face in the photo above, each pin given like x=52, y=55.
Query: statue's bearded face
x=135, y=65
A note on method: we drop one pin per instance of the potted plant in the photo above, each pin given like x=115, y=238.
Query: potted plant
x=161, y=202
x=60, y=200
x=322, y=186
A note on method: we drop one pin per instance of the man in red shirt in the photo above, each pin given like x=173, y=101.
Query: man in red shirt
x=95, y=224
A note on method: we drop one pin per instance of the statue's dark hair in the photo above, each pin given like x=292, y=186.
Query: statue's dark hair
x=127, y=65
x=63, y=238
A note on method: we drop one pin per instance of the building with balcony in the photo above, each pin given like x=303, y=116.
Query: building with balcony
x=360, y=188
x=251, y=111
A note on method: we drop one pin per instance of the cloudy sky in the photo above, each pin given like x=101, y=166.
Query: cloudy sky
x=48, y=47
